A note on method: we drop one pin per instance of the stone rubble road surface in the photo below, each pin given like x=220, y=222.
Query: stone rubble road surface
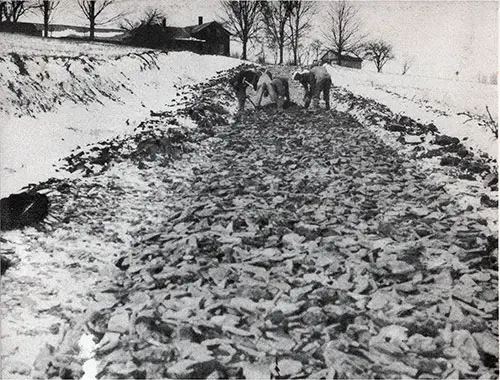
x=295, y=244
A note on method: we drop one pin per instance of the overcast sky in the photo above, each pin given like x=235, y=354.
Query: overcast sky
x=442, y=37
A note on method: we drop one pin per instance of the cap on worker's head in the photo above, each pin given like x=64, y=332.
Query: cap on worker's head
x=298, y=74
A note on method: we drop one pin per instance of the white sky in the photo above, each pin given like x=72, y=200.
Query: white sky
x=442, y=37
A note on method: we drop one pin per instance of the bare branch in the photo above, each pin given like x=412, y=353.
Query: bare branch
x=242, y=18
x=344, y=34
x=93, y=11
x=276, y=16
x=300, y=23
x=13, y=10
x=407, y=64
x=52, y=6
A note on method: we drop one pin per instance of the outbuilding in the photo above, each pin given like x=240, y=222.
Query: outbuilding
x=346, y=59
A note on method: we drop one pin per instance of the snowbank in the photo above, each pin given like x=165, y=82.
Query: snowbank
x=36, y=46
x=88, y=99
x=429, y=100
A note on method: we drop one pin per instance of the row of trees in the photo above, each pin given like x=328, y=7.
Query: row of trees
x=278, y=25
x=275, y=23
x=91, y=10
x=284, y=23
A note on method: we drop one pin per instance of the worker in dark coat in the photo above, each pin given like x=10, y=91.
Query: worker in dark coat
x=315, y=81
x=241, y=81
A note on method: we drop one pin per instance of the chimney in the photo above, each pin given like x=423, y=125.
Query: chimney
x=164, y=22
x=200, y=20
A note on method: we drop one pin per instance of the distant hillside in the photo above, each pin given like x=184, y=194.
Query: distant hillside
x=77, y=28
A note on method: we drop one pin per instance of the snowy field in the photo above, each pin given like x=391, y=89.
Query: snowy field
x=428, y=100
x=89, y=97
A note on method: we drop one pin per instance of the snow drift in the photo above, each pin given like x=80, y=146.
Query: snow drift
x=448, y=104
x=77, y=94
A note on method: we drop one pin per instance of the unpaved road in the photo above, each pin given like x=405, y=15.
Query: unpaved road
x=291, y=243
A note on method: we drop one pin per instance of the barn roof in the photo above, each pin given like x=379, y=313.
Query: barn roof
x=188, y=32
x=346, y=56
x=198, y=28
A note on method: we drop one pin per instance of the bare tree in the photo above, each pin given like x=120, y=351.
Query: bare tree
x=379, y=52
x=47, y=8
x=147, y=31
x=151, y=16
x=276, y=15
x=344, y=35
x=300, y=23
x=242, y=18
x=3, y=4
x=13, y=10
x=94, y=10
x=316, y=46
x=407, y=63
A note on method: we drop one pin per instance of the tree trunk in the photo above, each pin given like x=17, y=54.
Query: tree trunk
x=295, y=48
x=46, y=11
x=17, y=10
x=2, y=7
x=92, y=18
x=339, y=58
x=244, y=53
x=281, y=45
x=296, y=38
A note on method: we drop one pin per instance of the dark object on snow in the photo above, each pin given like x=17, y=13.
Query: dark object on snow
x=23, y=209
x=394, y=127
x=450, y=161
x=5, y=264
x=491, y=179
x=445, y=140
x=488, y=202
x=121, y=264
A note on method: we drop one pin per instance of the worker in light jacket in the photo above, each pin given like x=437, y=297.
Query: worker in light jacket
x=277, y=89
x=315, y=81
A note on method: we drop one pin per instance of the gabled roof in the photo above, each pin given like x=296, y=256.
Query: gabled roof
x=198, y=28
x=189, y=32
x=346, y=56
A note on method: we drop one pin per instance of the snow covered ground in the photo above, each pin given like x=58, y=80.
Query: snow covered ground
x=429, y=100
x=36, y=46
x=91, y=92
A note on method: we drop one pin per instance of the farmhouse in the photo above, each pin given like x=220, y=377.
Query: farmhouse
x=204, y=38
x=346, y=60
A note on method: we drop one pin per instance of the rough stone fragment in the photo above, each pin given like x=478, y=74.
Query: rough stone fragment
x=119, y=322
x=191, y=369
x=487, y=343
